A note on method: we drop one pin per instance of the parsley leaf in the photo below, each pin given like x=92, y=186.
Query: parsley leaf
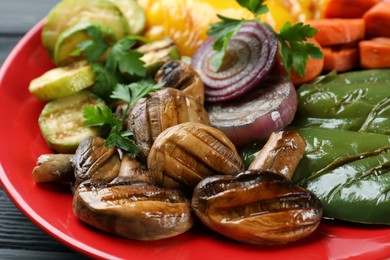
x=121, y=62
x=118, y=138
x=125, y=59
x=257, y=7
x=99, y=116
x=94, y=48
x=223, y=31
x=105, y=81
x=110, y=76
x=103, y=116
x=133, y=92
x=294, y=51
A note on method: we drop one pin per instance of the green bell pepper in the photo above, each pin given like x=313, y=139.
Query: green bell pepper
x=349, y=172
x=344, y=119
x=357, y=101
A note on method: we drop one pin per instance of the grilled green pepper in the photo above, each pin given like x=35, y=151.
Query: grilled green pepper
x=357, y=101
x=349, y=172
x=344, y=119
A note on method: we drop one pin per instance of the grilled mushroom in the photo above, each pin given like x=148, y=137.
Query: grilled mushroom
x=185, y=154
x=134, y=210
x=159, y=111
x=94, y=160
x=179, y=75
x=258, y=206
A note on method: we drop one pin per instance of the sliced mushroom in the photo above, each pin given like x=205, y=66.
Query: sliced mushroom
x=185, y=154
x=179, y=75
x=161, y=110
x=258, y=206
x=134, y=210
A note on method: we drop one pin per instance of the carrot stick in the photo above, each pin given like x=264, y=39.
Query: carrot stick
x=377, y=20
x=341, y=58
x=338, y=31
x=348, y=8
x=375, y=53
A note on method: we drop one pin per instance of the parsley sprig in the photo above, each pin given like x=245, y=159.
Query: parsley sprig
x=122, y=60
x=111, y=84
x=294, y=50
x=94, y=48
x=103, y=116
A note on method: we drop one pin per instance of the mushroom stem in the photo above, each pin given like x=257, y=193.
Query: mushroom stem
x=53, y=168
x=132, y=170
x=281, y=154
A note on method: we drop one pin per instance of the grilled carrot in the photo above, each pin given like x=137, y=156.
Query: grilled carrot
x=341, y=58
x=375, y=53
x=377, y=20
x=338, y=31
x=348, y=8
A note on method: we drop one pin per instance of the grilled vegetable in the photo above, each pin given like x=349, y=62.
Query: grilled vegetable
x=179, y=75
x=357, y=101
x=349, y=172
x=155, y=54
x=137, y=211
x=184, y=154
x=62, y=123
x=160, y=110
x=68, y=13
x=268, y=108
x=53, y=168
x=133, y=170
x=61, y=82
x=281, y=154
x=68, y=41
x=94, y=160
x=134, y=15
x=249, y=59
x=258, y=206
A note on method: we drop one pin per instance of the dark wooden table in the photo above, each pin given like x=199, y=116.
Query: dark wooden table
x=19, y=237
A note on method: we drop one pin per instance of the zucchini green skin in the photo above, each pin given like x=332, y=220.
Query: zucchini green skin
x=349, y=172
x=134, y=14
x=69, y=40
x=68, y=13
x=356, y=101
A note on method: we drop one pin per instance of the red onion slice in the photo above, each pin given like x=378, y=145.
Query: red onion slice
x=248, y=61
x=255, y=116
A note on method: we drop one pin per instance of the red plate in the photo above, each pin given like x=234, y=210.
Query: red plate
x=50, y=206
